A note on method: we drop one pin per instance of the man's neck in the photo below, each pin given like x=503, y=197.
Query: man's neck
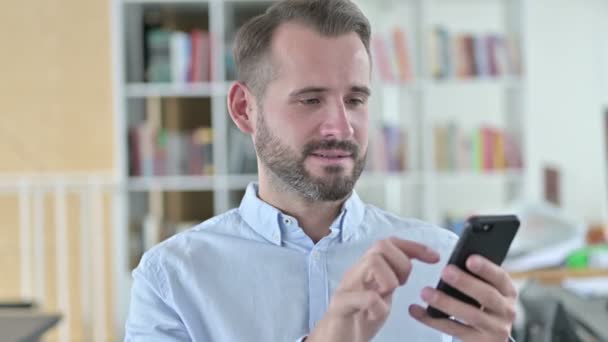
x=314, y=217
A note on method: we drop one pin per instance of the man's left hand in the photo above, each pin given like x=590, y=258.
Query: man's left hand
x=497, y=296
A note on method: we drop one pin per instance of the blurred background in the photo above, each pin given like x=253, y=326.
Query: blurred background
x=114, y=136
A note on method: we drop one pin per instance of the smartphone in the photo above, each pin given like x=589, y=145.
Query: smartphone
x=488, y=236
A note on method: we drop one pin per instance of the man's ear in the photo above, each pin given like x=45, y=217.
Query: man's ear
x=240, y=104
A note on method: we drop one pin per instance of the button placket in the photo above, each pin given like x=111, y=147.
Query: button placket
x=318, y=284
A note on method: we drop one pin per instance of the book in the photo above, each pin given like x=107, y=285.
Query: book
x=441, y=148
x=387, y=149
x=462, y=63
x=446, y=51
x=476, y=151
x=195, y=68
x=395, y=143
x=512, y=152
x=380, y=56
x=435, y=63
x=205, y=57
x=491, y=45
x=180, y=56
x=483, y=149
x=487, y=148
x=469, y=56
x=453, y=135
x=203, y=142
x=160, y=152
x=482, y=66
x=134, y=152
x=466, y=55
x=402, y=54
x=158, y=55
x=500, y=161
x=200, y=57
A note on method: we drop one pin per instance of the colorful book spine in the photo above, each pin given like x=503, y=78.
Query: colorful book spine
x=178, y=57
x=458, y=55
x=403, y=57
x=380, y=52
x=485, y=149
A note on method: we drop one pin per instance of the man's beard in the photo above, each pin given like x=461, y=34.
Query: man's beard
x=288, y=166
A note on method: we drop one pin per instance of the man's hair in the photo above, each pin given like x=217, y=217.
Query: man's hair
x=330, y=18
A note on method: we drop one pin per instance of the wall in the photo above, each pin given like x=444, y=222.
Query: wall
x=565, y=125
x=55, y=110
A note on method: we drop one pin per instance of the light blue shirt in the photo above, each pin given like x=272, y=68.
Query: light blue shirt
x=252, y=274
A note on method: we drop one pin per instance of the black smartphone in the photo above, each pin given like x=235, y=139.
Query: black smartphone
x=488, y=236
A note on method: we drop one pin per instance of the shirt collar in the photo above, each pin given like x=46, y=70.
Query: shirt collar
x=266, y=220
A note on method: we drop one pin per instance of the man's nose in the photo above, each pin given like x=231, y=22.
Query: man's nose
x=337, y=123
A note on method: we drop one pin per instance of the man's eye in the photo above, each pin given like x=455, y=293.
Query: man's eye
x=312, y=101
x=356, y=101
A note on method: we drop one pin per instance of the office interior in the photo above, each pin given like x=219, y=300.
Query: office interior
x=114, y=136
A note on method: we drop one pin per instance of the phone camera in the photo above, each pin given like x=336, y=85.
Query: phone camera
x=486, y=227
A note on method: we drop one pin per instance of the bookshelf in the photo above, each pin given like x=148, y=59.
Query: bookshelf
x=407, y=104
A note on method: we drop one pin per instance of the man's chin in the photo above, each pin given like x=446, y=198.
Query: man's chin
x=329, y=171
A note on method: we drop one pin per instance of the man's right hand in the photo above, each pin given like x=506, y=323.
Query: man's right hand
x=362, y=302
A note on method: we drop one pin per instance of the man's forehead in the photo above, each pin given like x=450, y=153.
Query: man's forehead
x=300, y=50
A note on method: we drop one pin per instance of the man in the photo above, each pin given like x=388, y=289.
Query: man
x=303, y=257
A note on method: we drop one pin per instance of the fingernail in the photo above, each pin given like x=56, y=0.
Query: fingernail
x=428, y=295
x=449, y=275
x=414, y=311
x=474, y=264
x=432, y=253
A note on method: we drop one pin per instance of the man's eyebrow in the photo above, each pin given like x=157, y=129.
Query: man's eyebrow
x=361, y=89
x=357, y=89
x=306, y=90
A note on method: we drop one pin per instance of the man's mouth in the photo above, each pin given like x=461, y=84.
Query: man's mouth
x=332, y=154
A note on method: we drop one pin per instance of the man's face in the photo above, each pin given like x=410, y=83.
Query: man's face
x=311, y=125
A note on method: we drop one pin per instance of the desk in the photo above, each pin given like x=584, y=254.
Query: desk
x=25, y=325
x=556, y=276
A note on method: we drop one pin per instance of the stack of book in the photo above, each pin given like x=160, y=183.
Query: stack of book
x=178, y=57
x=461, y=55
x=392, y=57
x=484, y=149
x=159, y=152
x=387, y=149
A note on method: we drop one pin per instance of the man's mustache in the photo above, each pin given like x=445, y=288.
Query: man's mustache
x=343, y=145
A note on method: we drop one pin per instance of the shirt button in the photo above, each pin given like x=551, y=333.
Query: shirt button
x=287, y=221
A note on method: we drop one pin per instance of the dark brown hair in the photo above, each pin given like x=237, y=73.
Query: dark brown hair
x=329, y=18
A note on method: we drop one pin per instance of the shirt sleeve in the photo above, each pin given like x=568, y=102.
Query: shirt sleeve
x=151, y=317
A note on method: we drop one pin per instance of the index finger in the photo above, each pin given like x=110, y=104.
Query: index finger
x=415, y=250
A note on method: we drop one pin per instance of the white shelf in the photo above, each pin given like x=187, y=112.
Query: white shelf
x=476, y=177
x=190, y=183
x=430, y=84
x=502, y=81
x=209, y=89
x=371, y=179
x=170, y=2
x=240, y=181
x=205, y=89
x=391, y=188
